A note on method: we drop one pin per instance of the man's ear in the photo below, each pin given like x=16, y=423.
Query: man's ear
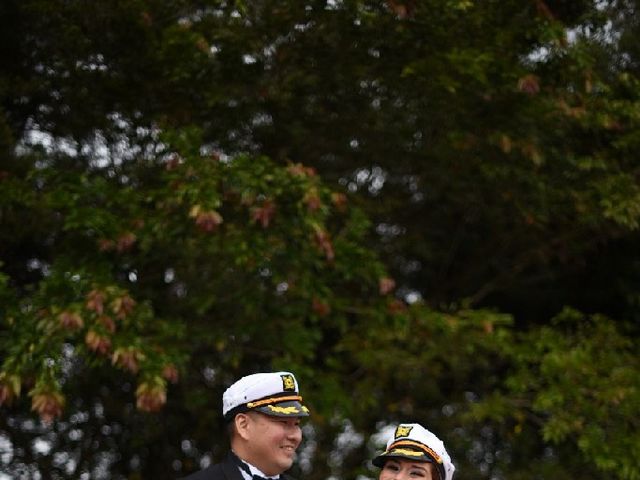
x=242, y=422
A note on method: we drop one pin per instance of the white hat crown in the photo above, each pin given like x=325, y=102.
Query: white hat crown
x=256, y=387
x=417, y=433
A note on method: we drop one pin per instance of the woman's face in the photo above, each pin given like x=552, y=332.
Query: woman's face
x=400, y=469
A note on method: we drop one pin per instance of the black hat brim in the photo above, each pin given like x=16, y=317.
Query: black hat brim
x=404, y=453
x=407, y=454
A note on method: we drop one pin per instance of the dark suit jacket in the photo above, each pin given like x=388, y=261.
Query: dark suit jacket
x=226, y=470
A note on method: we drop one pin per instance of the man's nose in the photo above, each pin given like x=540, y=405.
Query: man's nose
x=295, y=432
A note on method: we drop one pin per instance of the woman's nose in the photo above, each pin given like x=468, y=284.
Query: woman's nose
x=401, y=475
x=394, y=475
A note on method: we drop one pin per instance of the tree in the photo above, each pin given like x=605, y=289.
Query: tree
x=185, y=195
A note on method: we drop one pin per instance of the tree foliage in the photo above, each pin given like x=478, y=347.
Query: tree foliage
x=427, y=210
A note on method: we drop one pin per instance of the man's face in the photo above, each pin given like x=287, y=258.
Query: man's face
x=272, y=442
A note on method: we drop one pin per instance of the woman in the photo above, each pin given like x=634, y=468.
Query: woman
x=414, y=453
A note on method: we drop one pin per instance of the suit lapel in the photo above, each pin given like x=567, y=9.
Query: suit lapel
x=231, y=470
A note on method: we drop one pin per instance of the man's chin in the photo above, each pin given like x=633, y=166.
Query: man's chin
x=286, y=462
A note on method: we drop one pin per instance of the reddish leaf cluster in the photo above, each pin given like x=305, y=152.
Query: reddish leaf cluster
x=264, y=213
x=122, y=244
x=6, y=394
x=320, y=307
x=396, y=306
x=128, y=358
x=70, y=320
x=123, y=306
x=105, y=244
x=312, y=200
x=125, y=242
x=386, y=285
x=97, y=343
x=529, y=84
x=299, y=170
x=544, y=10
x=324, y=243
x=404, y=10
x=173, y=163
x=488, y=327
x=208, y=221
x=150, y=397
x=170, y=373
x=9, y=388
x=48, y=405
x=108, y=323
x=339, y=200
x=95, y=301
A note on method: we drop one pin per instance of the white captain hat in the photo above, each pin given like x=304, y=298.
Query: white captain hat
x=273, y=393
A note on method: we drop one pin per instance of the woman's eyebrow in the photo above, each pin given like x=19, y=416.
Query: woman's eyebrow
x=419, y=467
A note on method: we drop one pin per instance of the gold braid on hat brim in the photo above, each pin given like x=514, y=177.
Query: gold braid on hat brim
x=270, y=400
x=418, y=445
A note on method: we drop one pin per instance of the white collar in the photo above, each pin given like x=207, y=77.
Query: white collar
x=254, y=471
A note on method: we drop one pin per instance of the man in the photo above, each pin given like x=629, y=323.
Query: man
x=263, y=414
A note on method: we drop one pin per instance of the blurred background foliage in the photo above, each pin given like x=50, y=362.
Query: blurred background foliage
x=428, y=210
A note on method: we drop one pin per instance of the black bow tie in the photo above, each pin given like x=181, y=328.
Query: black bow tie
x=245, y=467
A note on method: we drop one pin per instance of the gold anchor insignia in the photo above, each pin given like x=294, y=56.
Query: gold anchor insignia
x=288, y=383
x=403, y=431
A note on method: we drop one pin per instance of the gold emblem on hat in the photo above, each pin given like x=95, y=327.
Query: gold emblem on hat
x=403, y=431
x=406, y=451
x=288, y=383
